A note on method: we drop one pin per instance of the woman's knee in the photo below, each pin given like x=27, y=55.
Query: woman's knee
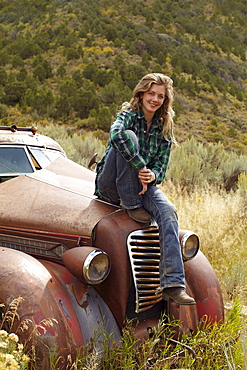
x=133, y=137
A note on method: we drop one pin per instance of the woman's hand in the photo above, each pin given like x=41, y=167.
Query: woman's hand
x=145, y=176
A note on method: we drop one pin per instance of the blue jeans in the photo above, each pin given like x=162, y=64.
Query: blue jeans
x=118, y=183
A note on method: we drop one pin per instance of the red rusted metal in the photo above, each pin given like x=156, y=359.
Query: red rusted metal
x=204, y=284
x=48, y=292
x=115, y=289
x=54, y=206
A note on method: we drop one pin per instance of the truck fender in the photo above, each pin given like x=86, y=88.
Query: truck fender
x=63, y=313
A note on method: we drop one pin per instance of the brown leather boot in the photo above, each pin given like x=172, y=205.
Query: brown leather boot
x=139, y=215
x=178, y=295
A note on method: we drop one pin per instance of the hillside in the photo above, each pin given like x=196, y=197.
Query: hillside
x=74, y=62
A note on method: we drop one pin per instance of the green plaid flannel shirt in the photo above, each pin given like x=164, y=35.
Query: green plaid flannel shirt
x=154, y=151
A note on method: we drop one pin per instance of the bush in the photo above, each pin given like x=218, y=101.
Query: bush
x=3, y=110
x=79, y=148
x=195, y=164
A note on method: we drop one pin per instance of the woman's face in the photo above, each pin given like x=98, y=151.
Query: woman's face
x=153, y=99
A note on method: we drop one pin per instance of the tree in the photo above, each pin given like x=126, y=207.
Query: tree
x=27, y=49
x=21, y=76
x=110, y=32
x=28, y=98
x=120, y=64
x=4, y=57
x=14, y=91
x=84, y=102
x=149, y=21
x=17, y=61
x=88, y=42
x=161, y=58
x=43, y=70
x=48, y=68
x=145, y=60
x=68, y=87
x=90, y=71
x=3, y=76
x=3, y=111
x=133, y=73
x=116, y=92
x=40, y=72
x=104, y=119
x=46, y=64
x=103, y=77
x=61, y=71
x=72, y=53
x=62, y=106
x=78, y=78
x=43, y=100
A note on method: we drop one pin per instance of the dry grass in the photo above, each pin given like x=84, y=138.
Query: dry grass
x=219, y=218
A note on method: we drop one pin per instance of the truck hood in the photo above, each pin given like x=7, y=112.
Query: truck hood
x=57, y=199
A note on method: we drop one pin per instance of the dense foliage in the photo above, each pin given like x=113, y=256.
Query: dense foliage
x=76, y=61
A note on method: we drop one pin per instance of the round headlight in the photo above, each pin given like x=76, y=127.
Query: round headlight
x=190, y=245
x=88, y=264
x=96, y=267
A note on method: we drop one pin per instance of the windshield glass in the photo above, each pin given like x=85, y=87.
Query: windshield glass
x=44, y=156
x=14, y=160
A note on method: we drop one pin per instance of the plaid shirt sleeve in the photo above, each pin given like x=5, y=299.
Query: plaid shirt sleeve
x=159, y=166
x=121, y=141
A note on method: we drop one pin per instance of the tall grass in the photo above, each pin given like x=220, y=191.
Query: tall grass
x=220, y=220
x=216, y=347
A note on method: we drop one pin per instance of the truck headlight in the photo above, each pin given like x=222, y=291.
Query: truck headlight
x=96, y=267
x=190, y=244
x=90, y=265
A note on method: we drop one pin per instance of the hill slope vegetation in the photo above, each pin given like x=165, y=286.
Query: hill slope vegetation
x=74, y=62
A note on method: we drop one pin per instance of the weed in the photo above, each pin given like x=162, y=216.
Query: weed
x=12, y=354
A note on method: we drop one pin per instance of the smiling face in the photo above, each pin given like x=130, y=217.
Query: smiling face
x=152, y=100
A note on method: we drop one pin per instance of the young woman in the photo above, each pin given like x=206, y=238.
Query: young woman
x=135, y=162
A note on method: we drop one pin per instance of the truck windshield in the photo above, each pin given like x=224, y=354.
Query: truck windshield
x=44, y=156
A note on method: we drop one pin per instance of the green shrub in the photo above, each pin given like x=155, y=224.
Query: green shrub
x=196, y=164
x=79, y=148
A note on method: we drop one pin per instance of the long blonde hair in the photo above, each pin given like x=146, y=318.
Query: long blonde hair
x=165, y=112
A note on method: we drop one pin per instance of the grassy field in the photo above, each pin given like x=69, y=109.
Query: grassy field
x=219, y=218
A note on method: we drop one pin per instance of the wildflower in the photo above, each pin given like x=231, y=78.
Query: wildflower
x=25, y=358
x=13, y=337
x=3, y=345
x=20, y=347
x=11, y=363
x=199, y=199
x=3, y=334
x=9, y=357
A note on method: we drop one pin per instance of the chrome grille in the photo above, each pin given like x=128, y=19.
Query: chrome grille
x=34, y=247
x=144, y=254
